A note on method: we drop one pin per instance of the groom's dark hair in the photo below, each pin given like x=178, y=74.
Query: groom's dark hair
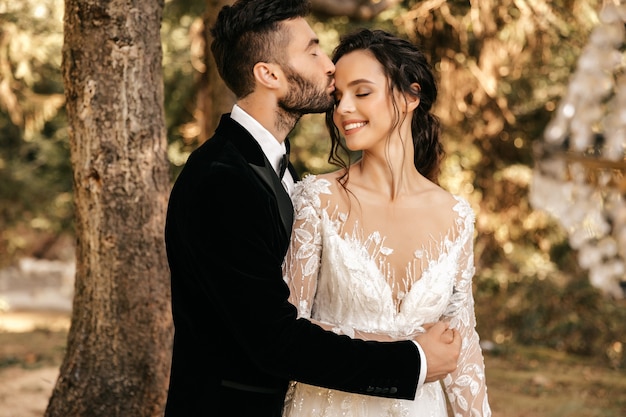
x=249, y=32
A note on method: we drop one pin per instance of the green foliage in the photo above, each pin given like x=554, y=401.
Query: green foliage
x=35, y=170
x=182, y=62
x=573, y=317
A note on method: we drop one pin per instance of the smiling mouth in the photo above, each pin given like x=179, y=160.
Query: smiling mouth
x=351, y=126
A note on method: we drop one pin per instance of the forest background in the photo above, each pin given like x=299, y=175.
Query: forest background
x=502, y=67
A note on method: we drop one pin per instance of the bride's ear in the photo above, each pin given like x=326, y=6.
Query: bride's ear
x=412, y=100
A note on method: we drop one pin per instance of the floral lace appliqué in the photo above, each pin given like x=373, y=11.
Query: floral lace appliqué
x=342, y=277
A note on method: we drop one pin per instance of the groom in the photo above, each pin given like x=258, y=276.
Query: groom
x=237, y=339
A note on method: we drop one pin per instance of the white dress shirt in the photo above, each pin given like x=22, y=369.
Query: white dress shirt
x=273, y=148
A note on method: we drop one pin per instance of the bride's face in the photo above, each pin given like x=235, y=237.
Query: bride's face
x=364, y=111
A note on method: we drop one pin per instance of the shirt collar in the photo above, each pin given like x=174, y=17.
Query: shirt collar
x=272, y=148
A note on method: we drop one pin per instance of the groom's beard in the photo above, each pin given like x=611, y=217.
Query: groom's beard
x=303, y=97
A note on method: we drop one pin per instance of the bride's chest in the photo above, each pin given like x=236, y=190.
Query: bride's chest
x=362, y=281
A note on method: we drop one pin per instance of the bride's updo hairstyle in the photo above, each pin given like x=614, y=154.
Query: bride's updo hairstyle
x=404, y=65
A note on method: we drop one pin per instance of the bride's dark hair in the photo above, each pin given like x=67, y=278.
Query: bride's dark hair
x=404, y=65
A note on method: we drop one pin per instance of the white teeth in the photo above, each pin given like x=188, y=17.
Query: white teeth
x=354, y=125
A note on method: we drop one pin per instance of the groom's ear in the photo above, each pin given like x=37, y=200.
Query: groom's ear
x=267, y=75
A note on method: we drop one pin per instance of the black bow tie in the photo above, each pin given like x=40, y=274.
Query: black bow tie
x=284, y=161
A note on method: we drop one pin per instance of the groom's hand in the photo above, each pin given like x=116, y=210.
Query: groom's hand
x=442, y=347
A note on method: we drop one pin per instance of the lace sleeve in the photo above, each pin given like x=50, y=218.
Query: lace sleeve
x=466, y=387
x=302, y=261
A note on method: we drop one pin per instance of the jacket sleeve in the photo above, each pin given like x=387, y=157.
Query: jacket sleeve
x=226, y=228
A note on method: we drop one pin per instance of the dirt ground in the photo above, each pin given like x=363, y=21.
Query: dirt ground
x=25, y=392
x=522, y=381
x=31, y=349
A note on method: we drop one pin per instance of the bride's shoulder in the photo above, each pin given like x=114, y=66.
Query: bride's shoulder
x=315, y=189
x=447, y=202
x=463, y=206
x=452, y=212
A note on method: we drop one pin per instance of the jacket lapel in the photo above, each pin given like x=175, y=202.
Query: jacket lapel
x=268, y=175
x=252, y=152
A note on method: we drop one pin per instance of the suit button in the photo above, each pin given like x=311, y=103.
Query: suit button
x=370, y=389
x=393, y=390
x=378, y=390
x=385, y=390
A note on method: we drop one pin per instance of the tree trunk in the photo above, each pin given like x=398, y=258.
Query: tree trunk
x=119, y=344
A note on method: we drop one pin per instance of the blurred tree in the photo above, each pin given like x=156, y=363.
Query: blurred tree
x=118, y=352
x=196, y=97
x=214, y=98
x=495, y=101
x=358, y=10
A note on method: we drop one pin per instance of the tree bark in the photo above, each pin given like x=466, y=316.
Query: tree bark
x=119, y=344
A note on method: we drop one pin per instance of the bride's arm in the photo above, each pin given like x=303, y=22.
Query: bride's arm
x=356, y=334
x=466, y=387
x=302, y=262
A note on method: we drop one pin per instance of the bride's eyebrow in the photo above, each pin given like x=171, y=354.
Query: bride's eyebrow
x=355, y=82
x=360, y=81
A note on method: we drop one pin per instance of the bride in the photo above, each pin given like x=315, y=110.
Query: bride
x=378, y=248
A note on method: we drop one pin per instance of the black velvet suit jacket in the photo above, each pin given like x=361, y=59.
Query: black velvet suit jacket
x=237, y=340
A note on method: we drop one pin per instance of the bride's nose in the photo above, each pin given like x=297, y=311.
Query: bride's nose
x=345, y=105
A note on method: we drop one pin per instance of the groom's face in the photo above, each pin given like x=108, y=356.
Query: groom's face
x=307, y=70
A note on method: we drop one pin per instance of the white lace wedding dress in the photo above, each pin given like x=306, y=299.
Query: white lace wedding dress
x=342, y=277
